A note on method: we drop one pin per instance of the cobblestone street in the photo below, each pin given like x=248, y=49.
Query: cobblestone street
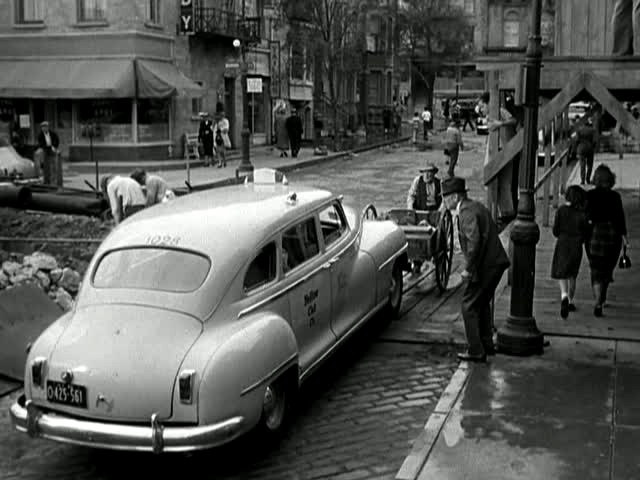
x=357, y=417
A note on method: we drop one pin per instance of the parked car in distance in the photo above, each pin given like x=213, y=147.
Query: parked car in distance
x=198, y=319
x=577, y=110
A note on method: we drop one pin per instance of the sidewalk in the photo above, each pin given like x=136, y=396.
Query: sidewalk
x=261, y=157
x=572, y=413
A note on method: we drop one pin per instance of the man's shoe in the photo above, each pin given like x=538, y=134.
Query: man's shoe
x=564, y=307
x=469, y=357
x=491, y=351
x=572, y=307
x=597, y=311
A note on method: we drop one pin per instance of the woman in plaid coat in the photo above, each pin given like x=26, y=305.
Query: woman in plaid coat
x=608, y=233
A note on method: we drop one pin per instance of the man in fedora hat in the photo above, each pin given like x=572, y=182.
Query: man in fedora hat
x=485, y=263
x=425, y=190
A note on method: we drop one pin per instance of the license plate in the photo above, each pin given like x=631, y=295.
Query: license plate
x=67, y=394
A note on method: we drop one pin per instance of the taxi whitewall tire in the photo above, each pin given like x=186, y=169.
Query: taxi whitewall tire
x=278, y=405
x=392, y=308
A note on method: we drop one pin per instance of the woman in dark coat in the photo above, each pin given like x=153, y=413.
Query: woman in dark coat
x=571, y=229
x=608, y=233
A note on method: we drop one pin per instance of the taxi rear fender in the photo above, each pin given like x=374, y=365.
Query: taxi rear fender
x=263, y=350
x=44, y=346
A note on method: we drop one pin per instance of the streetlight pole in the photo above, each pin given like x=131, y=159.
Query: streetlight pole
x=520, y=334
x=245, y=166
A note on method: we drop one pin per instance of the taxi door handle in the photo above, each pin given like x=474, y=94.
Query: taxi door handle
x=330, y=263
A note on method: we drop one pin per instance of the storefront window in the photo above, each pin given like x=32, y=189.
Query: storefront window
x=153, y=120
x=112, y=115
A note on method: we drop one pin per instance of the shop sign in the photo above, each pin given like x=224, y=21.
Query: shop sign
x=274, y=68
x=6, y=108
x=186, y=17
x=254, y=85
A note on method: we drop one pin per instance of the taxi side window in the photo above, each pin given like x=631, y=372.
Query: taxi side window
x=332, y=223
x=299, y=244
x=263, y=268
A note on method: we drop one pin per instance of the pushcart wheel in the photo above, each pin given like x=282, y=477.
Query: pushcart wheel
x=444, y=250
x=370, y=212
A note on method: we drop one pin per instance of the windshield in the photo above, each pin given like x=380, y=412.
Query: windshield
x=162, y=269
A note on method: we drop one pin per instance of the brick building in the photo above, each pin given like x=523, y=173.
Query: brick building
x=109, y=62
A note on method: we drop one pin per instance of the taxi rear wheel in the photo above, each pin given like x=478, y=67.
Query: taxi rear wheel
x=277, y=406
x=392, y=309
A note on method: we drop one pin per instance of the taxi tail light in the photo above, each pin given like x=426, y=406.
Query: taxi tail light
x=185, y=384
x=37, y=371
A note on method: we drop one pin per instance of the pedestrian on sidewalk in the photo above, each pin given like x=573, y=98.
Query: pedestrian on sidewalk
x=571, y=230
x=221, y=136
x=156, y=187
x=426, y=123
x=452, y=145
x=205, y=137
x=585, y=150
x=294, y=130
x=608, y=233
x=415, y=126
x=485, y=263
x=282, y=136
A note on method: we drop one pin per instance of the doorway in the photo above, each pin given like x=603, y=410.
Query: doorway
x=230, y=108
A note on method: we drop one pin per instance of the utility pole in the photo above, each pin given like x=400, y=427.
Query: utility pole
x=520, y=334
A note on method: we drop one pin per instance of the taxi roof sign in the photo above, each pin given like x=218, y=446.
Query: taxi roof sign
x=266, y=176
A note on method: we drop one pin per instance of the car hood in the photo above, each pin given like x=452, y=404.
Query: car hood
x=126, y=356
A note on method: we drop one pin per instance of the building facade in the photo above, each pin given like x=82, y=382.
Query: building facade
x=111, y=63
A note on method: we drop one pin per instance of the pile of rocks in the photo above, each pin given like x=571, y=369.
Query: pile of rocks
x=59, y=282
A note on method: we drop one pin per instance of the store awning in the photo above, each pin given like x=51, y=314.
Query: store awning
x=157, y=79
x=77, y=78
x=84, y=78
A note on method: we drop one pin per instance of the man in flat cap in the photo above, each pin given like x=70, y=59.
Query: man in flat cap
x=48, y=143
x=485, y=263
x=425, y=190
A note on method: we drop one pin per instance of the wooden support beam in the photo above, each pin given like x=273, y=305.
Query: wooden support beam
x=611, y=104
x=494, y=138
x=547, y=114
x=546, y=191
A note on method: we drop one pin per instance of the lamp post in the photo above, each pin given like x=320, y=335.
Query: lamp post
x=520, y=334
x=245, y=164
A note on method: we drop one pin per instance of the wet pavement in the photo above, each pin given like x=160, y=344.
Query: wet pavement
x=570, y=414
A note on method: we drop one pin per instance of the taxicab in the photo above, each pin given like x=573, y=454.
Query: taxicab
x=198, y=319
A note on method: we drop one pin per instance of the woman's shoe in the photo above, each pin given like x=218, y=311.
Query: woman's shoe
x=572, y=307
x=597, y=311
x=564, y=307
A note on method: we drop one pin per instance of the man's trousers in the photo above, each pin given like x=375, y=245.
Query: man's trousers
x=626, y=27
x=476, y=309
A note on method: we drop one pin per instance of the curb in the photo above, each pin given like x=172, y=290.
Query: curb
x=294, y=166
x=424, y=443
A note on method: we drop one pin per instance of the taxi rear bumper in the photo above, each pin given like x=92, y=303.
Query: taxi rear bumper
x=28, y=418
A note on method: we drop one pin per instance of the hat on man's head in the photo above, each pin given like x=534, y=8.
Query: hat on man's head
x=453, y=185
x=44, y=124
x=429, y=168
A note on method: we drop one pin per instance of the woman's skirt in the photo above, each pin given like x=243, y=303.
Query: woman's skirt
x=604, y=250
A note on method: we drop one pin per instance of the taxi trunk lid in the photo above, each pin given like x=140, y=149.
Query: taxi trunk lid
x=127, y=357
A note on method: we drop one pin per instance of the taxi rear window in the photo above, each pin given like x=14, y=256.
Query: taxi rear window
x=160, y=269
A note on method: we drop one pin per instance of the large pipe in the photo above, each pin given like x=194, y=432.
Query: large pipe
x=14, y=196
x=68, y=204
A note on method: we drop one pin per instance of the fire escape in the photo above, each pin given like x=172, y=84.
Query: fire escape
x=226, y=22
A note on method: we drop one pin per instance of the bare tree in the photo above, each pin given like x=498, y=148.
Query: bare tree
x=329, y=35
x=432, y=32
